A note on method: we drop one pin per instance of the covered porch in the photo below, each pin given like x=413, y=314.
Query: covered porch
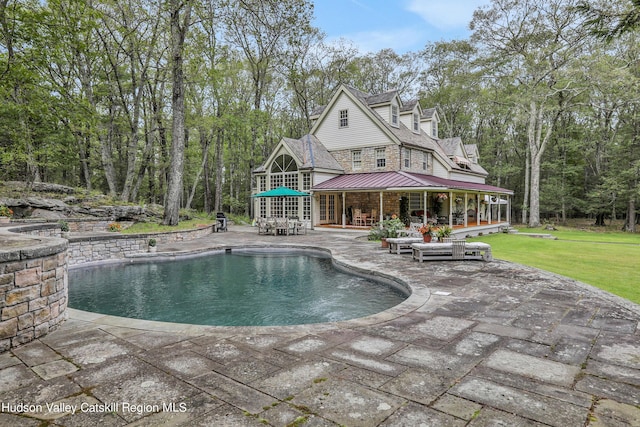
x=359, y=201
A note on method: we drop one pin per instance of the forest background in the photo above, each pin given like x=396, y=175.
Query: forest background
x=175, y=102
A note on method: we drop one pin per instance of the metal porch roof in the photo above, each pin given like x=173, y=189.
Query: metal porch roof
x=395, y=180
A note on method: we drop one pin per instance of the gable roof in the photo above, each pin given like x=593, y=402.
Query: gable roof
x=400, y=134
x=308, y=152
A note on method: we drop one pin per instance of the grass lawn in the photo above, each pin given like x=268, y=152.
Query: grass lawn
x=153, y=227
x=608, y=260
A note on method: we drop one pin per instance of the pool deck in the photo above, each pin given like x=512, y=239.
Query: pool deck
x=477, y=344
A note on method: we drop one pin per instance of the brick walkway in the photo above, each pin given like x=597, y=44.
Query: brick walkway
x=477, y=344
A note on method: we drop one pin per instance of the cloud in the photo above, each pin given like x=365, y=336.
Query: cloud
x=446, y=15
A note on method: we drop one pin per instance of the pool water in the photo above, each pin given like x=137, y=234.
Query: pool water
x=251, y=289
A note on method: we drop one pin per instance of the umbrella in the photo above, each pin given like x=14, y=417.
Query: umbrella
x=282, y=192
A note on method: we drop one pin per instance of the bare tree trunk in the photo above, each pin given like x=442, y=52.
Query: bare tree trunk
x=630, y=226
x=219, y=164
x=174, y=187
x=525, y=196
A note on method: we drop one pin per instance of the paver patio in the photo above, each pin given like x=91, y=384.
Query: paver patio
x=478, y=344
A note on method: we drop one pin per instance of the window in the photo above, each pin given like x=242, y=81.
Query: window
x=425, y=160
x=356, y=159
x=394, y=115
x=344, y=118
x=407, y=157
x=263, y=183
x=381, y=159
x=434, y=129
x=416, y=123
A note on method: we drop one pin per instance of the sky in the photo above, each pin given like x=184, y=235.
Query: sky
x=402, y=25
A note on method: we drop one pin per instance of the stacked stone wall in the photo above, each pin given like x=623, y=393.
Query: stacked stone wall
x=33, y=290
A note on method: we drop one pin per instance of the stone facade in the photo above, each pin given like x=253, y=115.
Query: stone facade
x=33, y=289
x=368, y=159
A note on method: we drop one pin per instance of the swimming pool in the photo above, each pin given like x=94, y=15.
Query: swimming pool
x=243, y=288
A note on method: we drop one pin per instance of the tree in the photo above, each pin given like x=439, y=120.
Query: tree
x=532, y=43
x=611, y=19
x=180, y=18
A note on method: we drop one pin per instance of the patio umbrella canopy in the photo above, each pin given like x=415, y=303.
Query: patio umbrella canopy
x=282, y=192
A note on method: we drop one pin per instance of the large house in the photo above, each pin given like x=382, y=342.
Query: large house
x=368, y=157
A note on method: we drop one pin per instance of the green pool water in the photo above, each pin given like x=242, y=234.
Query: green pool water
x=232, y=289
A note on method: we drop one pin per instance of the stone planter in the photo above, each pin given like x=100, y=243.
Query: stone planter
x=5, y=220
x=153, y=249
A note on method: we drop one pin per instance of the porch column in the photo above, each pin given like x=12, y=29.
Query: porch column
x=499, y=207
x=381, y=214
x=451, y=209
x=489, y=211
x=344, y=211
x=478, y=209
x=424, y=207
x=312, y=210
x=509, y=209
x=466, y=200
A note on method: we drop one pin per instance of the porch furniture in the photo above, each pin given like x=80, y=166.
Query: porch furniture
x=358, y=219
x=370, y=220
x=412, y=231
x=265, y=226
x=282, y=226
x=445, y=251
x=402, y=245
x=297, y=226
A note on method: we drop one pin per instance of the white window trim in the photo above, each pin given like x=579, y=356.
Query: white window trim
x=343, y=117
x=358, y=154
x=381, y=154
x=395, y=118
x=416, y=123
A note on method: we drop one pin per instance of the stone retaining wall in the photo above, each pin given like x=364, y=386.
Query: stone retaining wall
x=108, y=246
x=33, y=271
x=33, y=288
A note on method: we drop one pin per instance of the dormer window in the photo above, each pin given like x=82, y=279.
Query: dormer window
x=416, y=123
x=394, y=115
x=344, y=118
x=434, y=129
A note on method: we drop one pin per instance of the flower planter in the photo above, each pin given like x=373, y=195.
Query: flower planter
x=427, y=238
x=384, y=242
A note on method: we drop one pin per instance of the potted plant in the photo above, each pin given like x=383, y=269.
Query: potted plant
x=426, y=230
x=5, y=214
x=64, y=228
x=387, y=228
x=442, y=232
x=152, y=245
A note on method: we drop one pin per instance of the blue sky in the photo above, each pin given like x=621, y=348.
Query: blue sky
x=402, y=25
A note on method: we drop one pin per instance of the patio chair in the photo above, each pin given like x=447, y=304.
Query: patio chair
x=372, y=219
x=299, y=227
x=357, y=217
x=282, y=226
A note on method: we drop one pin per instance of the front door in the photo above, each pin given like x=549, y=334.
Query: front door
x=328, y=208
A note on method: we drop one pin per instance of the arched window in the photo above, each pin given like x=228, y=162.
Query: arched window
x=284, y=171
x=284, y=163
